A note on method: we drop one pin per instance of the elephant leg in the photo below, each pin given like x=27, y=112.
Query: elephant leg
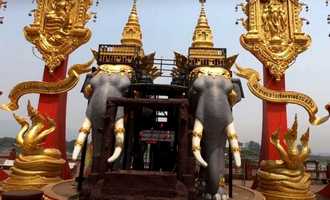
x=83, y=133
x=232, y=137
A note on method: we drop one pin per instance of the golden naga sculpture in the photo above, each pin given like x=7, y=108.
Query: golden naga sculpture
x=274, y=96
x=36, y=166
x=39, y=87
x=286, y=178
x=274, y=34
x=58, y=29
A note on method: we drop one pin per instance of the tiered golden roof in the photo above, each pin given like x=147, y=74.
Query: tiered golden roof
x=132, y=34
x=203, y=34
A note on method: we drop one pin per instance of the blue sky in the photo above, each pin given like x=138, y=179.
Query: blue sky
x=168, y=26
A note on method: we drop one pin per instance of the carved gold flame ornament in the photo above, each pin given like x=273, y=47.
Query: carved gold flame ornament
x=274, y=34
x=59, y=28
x=36, y=166
x=286, y=178
x=274, y=96
x=39, y=87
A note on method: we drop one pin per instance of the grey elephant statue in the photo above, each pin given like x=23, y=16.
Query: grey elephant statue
x=107, y=81
x=212, y=94
x=110, y=80
x=117, y=64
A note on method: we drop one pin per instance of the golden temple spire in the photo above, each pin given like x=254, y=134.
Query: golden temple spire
x=203, y=34
x=132, y=34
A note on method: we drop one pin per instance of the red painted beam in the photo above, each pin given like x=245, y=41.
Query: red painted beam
x=54, y=106
x=274, y=117
x=3, y=175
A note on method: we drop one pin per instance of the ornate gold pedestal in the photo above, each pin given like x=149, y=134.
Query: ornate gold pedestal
x=280, y=196
x=286, y=179
x=280, y=187
x=36, y=166
x=27, y=183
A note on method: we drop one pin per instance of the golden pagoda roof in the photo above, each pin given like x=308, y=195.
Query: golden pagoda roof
x=132, y=34
x=203, y=37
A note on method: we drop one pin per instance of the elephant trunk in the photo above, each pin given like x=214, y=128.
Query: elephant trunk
x=83, y=132
x=119, y=132
x=232, y=137
x=196, y=142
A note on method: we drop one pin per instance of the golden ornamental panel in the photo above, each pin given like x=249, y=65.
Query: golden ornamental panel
x=274, y=34
x=58, y=29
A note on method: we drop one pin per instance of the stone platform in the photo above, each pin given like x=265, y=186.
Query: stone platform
x=66, y=191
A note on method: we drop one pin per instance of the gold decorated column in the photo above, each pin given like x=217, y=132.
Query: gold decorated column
x=274, y=36
x=57, y=30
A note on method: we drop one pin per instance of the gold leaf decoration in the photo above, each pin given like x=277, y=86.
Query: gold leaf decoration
x=40, y=87
x=274, y=34
x=274, y=96
x=58, y=29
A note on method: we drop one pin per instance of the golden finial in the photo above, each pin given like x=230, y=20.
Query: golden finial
x=132, y=34
x=203, y=34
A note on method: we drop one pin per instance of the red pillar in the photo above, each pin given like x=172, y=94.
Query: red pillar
x=54, y=106
x=3, y=175
x=274, y=117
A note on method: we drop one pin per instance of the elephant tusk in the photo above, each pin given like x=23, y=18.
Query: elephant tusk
x=232, y=137
x=196, y=142
x=83, y=133
x=120, y=136
x=199, y=158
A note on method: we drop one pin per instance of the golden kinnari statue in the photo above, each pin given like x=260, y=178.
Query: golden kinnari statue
x=274, y=34
x=35, y=166
x=286, y=178
x=59, y=28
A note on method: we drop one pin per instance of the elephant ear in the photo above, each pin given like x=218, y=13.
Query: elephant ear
x=86, y=84
x=238, y=89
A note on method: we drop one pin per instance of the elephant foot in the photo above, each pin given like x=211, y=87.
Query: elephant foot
x=218, y=196
x=221, y=195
